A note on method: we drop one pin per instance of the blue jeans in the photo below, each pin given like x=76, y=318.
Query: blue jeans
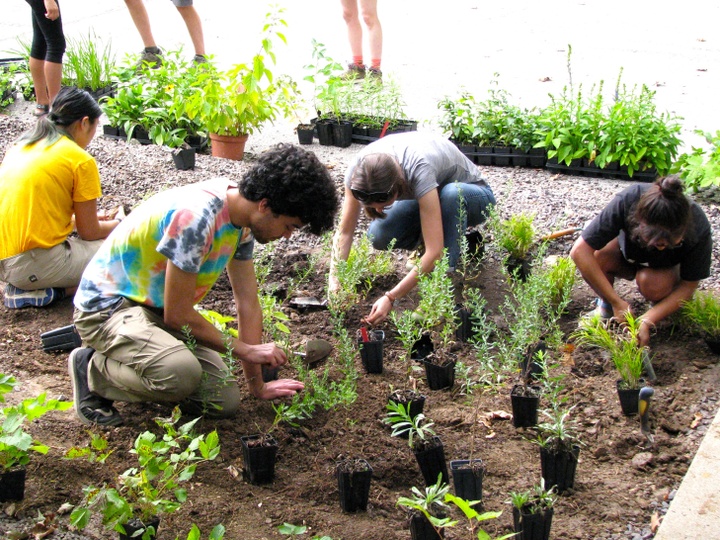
x=403, y=219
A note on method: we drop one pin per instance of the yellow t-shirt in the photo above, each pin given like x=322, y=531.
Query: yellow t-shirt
x=38, y=186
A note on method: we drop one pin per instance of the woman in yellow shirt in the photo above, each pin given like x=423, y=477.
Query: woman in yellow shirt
x=49, y=186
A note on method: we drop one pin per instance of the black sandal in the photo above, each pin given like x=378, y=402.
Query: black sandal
x=41, y=110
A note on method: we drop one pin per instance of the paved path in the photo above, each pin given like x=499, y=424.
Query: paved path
x=674, y=48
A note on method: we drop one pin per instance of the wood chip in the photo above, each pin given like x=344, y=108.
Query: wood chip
x=654, y=522
x=696, y=420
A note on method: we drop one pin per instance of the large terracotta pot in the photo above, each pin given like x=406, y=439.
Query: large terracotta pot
x=228, y=146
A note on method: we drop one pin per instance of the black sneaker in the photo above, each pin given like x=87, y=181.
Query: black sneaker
x=151, y=56
x=90, y=408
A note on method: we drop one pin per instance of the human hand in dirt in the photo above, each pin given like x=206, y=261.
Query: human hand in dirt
x=52, y=11
x=281, y=388
x=380, y=310
x=643, y=334
x=266, y=353
x=620, y=310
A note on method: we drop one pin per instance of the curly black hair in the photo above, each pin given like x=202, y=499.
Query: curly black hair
x=295, y=184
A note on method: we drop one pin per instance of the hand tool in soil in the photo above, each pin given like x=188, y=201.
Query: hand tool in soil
x=647, y=365
x=303, y=303
x=559, y=234
x=646, y=393
x=315, y=350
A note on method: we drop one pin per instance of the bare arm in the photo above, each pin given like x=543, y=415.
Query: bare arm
x=432, y=230
x=666, y=307
x=89, y=224
x=245, y=291
x=180, y=312
x=343, y=239
x=584, y=257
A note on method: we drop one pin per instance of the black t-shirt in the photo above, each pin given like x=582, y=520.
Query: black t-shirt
x=694, y=255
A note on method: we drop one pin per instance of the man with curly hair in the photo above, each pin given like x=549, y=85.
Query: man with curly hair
x=135, y=307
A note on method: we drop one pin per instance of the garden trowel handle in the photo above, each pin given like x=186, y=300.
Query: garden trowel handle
x=558, y=234
x=644, y=409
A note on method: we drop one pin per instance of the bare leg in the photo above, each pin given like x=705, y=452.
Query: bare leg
x=194, y=26
x=37, y=71
x=656, y=284
x=53, y=79
x=350, y=14
x=372, y=22
x=142, y=21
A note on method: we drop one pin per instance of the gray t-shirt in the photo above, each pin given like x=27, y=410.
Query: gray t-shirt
x=428, y=161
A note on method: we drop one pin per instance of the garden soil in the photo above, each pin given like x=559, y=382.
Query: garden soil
x=623, y=484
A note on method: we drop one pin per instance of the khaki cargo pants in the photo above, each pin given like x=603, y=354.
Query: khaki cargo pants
x=139, y=359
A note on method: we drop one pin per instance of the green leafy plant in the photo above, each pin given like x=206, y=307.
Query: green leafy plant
x=700, y=168
x=621, y=343
x=515, y=235
x=246, y=96
x=534, y=500
x=96, y=450
x=418, y=429
x=10, y=82
x=557, y=433
x=16, y=443
x=155, y=486
x=88, y=63
x=702, y=314
x=435, y=313
x=217, y=533
x=430, y=502
x=474, y=518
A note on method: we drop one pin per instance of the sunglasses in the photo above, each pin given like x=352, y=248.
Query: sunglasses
x=376, y=197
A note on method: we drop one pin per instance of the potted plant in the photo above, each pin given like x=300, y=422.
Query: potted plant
x=133, y=503
x=231, y=105
x=533, y=512
x=427, y=510
x=559, y=448
x=628, y=356
x=702, y=314
x=16, y=443
x=89, y=65
x=525, y=397
x=468, y=473
x=371, y=349
x=515, y=238
x=353, y=476
x=474, y=519
x=422, y=440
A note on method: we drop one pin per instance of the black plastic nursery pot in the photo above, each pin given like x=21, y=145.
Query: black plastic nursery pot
x=431, y=460
x=532, y=526
x=324, y=132
x=12, y=484
x=135, y=528
x=525, y=405
x=519, y=269
x=184, y=159
x=354, y=476
x=439, y=377
x=64, y=338
x=629, y=399
x=463, y=318
x=468, y=478
x=713, y=344
x=269, y=373
x=422, y=347
x=558, y=468
x=371, y=352
x=305, y=132
x=529, y=365
x=422, y=529
x=342, y=134
x=259, y=455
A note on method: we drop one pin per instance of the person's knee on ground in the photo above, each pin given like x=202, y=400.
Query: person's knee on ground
x=655, y=284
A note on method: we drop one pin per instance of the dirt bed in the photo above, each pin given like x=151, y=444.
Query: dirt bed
x=615, y=496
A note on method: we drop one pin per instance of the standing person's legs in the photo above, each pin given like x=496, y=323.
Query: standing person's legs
x=140, y=18
x=46, y=55
x=375, y=37
x=475, y=201
x=402, y=224
x=352, y=20
x=193, y=23
x=138, y=359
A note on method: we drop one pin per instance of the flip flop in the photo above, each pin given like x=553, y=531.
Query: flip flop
x=41, y=110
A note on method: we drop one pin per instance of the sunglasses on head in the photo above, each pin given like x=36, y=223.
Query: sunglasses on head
x=375, y=197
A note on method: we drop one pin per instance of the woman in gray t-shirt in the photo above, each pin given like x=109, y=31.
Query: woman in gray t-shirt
x=412, y=186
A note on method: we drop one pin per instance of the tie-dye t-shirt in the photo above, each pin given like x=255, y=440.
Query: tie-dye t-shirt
x=189, y=226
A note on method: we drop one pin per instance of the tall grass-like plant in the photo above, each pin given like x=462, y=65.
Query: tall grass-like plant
x=88, y=62
x=620, y=341
x=702, y=314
